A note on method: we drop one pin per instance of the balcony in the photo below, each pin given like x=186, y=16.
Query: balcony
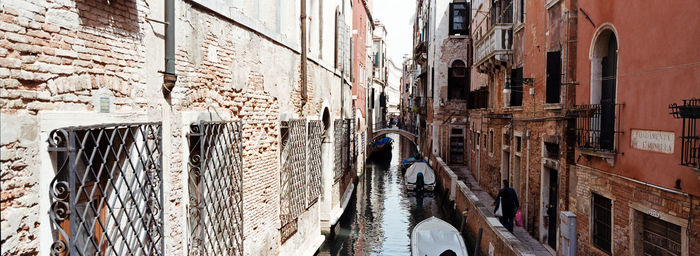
x=598, y=129
x=689, y=112
x=495, y=47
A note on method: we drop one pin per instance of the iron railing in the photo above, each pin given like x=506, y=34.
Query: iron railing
x=107, y=194
x=216, y=188
x=690, y=138
x=598, y=127
x=293, y=175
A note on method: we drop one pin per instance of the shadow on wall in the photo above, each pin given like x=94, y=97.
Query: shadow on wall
x=118, y=17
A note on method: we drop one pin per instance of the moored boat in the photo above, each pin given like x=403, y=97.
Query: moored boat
x=435, y=237
x=408, y=162
x=420, y=177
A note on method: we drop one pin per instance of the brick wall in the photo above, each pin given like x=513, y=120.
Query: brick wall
x=626, y=194
x=64, y=55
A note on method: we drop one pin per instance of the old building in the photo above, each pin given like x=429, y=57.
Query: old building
x=441, y=52
x=520, y=110
x=377, y=94
x=393, y=88
x=636, y=179
x=174, y=127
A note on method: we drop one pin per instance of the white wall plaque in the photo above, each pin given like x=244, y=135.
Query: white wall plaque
x=656, y=141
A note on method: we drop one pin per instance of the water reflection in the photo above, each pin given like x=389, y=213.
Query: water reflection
x=381, y=215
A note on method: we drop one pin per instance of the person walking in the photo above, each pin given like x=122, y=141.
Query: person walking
x=507, y=199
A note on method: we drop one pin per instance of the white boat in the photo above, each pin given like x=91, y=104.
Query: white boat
x=433, y=237
x=420, y=174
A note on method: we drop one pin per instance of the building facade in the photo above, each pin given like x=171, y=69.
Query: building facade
x=636, y=178
x=441, y=53
x=116, y=125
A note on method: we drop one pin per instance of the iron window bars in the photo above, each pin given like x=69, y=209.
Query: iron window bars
x=340, y=129
x=598, y=127
x=293, y=175
x=107, y=194
x=315, y=137
x=690, y=139
x=215, y=188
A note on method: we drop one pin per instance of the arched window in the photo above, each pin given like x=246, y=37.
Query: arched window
x=603, y=85
x=457, y=80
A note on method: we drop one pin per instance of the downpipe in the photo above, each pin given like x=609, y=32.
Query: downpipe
x=169, y=76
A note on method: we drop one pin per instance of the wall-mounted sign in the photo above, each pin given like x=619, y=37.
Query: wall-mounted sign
x=656, y=141
x=104, y=104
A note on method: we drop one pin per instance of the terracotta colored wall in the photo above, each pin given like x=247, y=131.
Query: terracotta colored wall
x=657, y=65
x=359, y=23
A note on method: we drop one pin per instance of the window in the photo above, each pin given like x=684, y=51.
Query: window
x=518, y=143
x=552, y=150
x=602, y=219
x=660, y=237
x=597, y=125
x=521, y=9
x=459, y=18
x=491, y=141
x=553, y=77
x=457, y=81
x=516, y=81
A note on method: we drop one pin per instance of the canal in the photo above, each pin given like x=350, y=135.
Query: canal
x=381, y=214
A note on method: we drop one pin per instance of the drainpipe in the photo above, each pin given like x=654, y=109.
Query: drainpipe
x=304, y=56
x=169, y=76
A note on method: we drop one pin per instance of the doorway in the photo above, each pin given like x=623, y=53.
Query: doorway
x=551, y=207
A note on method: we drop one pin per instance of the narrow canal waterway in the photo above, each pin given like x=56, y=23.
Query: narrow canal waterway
x=381, y=215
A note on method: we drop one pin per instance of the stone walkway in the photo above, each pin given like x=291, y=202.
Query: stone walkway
x=527, y=242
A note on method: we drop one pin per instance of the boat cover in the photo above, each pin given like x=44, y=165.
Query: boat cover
x=410, y=160
x=412, y=173
x=382, y=141
x=433, y=236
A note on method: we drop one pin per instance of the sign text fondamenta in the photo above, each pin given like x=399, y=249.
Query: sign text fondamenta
x=656, y=141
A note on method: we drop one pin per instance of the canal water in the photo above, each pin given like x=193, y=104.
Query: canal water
x=381, y=214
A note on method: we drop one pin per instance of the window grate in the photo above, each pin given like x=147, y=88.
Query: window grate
x=293, y=175
x=215, y=188
x=107, y=197
x=602, y=217
x=340, y=127
x=315, y=136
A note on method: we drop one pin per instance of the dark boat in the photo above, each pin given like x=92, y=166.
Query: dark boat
x=381, y=148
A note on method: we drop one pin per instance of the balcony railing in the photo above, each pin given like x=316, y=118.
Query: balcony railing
x=496, y=44
x=598, y=127
x=689, y=112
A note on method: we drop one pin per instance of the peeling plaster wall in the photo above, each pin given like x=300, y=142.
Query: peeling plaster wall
x=58, y=58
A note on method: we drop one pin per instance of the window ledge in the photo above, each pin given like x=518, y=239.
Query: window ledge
x=550, y=106
x=458, y=36
x=516, y=108
x=597, y=153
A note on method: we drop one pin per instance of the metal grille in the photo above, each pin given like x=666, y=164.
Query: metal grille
x=293, y=175
x=215, y=188
x=598, y=127
x=689, y=111
x=107, y=196
x=339, y=126
x=314, y=162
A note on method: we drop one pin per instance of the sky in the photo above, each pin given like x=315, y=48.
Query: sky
x=397, y=16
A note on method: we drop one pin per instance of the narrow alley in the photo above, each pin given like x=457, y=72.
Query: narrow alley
x=350, y=127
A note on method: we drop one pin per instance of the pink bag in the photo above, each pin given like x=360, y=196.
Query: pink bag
x=518, y=219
